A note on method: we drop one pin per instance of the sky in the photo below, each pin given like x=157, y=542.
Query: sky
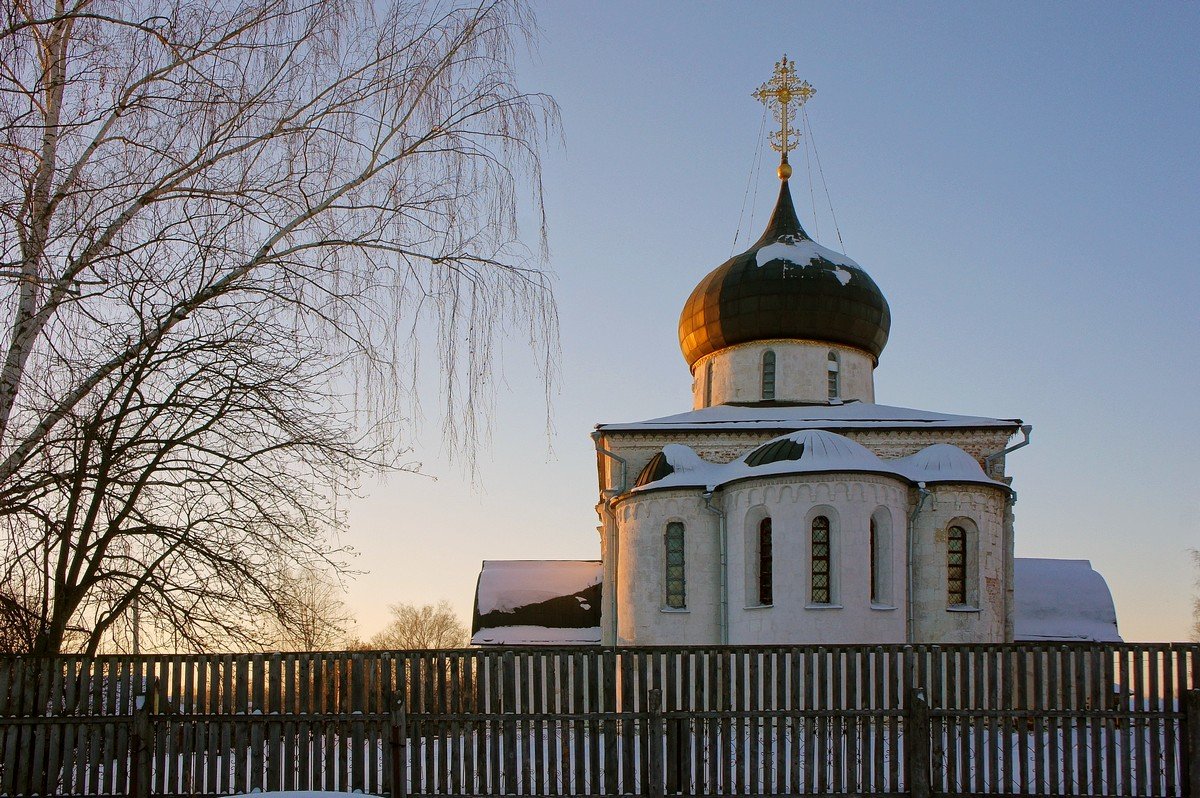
x=1022, y=181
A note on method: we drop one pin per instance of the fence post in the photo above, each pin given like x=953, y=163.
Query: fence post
x=654, y=739
x=399, y=750
x=916, y=743
x=1191, y=742
x=144, y=707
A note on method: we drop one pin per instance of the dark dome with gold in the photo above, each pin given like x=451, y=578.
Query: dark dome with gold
x=785, y=286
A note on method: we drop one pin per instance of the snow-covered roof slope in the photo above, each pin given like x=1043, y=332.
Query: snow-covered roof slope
x=505, y=585
x=770, y=416
x=1062, y=600
x=942, y=462
x=537, y=602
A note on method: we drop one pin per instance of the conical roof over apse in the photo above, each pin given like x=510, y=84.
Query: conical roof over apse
x=785, y=286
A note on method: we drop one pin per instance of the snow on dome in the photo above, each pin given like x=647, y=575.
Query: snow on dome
x=821, y=451
x=804, y=252
x=942, y=462
x=1062, y=600
x=678, y=466
x=827, y=451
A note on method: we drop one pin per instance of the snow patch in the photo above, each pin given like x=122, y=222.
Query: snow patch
x=683, y=458
x=536, y=635
x=803, y=252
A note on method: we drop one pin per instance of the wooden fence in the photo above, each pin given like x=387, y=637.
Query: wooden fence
x=1075, y=719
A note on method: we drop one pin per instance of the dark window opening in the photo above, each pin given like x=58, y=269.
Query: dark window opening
x=875, y=591
x=765, y=592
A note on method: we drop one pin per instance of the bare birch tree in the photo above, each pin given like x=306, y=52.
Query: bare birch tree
x=221, y=226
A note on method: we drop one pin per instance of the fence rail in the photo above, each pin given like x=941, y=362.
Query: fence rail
x=1062, y=719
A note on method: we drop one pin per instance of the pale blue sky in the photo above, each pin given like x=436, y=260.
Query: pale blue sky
x=1021, y=180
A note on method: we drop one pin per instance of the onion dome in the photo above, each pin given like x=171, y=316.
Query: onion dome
x=785, y=286
x=943, y=462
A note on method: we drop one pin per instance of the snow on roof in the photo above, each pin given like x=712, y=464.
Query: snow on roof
x=1062, y=600
x=505, y=585
x=848, y=415
x=536, y=636
x=822, y=452
x=942, y=462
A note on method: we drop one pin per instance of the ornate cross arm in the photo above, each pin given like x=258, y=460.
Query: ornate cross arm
x=784, y=94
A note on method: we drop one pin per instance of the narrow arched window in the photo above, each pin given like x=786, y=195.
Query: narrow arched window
x=676, y=592
x=833, y=369
x=881, y=557
x=956, y=566
x=821, y=576
x=765, y=564
x=768, y=374
x=708, y=384
x=876, y=592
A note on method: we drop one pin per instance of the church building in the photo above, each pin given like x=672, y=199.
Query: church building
x=787, y=506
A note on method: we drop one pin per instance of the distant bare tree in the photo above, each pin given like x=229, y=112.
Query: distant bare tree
x=421, y=627
x=222, y=226
x=314, y=619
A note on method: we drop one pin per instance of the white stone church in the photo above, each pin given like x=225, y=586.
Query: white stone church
x=787, y=506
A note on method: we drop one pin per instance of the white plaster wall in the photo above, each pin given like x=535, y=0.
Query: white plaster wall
x=988, y=622
x=642, y=615
x=792, y=503
x=801, y=373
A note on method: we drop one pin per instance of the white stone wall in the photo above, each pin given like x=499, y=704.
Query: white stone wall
x=801, y=373
x=848, y=501
x=633, y=532
x=642, y=615
x=981, y=511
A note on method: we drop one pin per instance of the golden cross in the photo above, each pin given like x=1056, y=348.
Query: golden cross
x=779, y=93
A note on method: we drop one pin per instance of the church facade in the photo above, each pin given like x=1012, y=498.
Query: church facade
x=787, y=506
